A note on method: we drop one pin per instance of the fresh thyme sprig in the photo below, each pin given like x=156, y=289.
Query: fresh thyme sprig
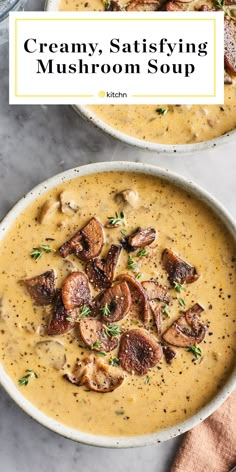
x=162, y=110
x=131, y=264
x=30, y=374
x=114, y=361
x=96, y=345
x=178, y=287
x=220, y=5
x=112, y=330
x=142, y=252
x=181, y=302
x=39, y=251
x=196, y=351
x=117, y=219
x=85, y=311
x=105, y=310
x=165, y=310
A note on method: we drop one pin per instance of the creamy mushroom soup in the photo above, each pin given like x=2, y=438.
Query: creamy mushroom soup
x=118, y=289
x=170, y=124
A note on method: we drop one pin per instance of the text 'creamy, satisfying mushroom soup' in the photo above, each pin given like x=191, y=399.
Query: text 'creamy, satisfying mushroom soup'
x=172, y=124
x=118, y=289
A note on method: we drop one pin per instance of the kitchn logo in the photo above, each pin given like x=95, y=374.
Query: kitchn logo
x=103, y=94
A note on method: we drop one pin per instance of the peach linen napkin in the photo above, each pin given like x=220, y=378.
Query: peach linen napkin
x=210, y=446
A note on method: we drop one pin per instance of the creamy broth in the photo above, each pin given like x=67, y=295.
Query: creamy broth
x=181, y=124
x=141, y=404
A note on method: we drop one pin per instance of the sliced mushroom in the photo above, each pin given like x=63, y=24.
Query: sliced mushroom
x=204, y=8
x=69, y=202
x=86, y=243
x=112, y=5
x=59, y=324
x=96, y=375
x=138, y=351
x=41, y=288
x=187, y=330
x=174, y=6
x=156, y=309
x=75, y=291
x=51, y=353
x=143, y=5
x=227, y=79
x=48, y=209
x=117, y=300
x=92, y=332
x=127, y=197
x=138, y=296
x=169, y=354
x=101, y=271
x=142, y=238
x=155, y=291
x=178, y=270
x=230, y=44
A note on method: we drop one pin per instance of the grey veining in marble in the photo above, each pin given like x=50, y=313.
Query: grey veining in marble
x=37, y=142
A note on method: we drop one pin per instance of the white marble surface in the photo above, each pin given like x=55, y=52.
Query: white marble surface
x=37, y=142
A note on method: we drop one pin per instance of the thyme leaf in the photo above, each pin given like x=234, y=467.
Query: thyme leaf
x=29, y=374
x=196, y=351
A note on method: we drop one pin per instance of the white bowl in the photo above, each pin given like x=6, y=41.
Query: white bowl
x=106, y=441
x=53, y=5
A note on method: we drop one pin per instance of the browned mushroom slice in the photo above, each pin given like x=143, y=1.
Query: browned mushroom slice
x=174, y=6
x=41, y=288
x=112, y=5
x=187, y=330
x=138, y=296
x=93, y=333
x=143, y=5
x=101, y=271
x=96, y=375
x=75, y=291
x=230, y=44
x=51, y=353
x=142, y=238
x=138, y=351
x=114, y=303
x=127, y=197
x=169, y=354
x=155, y=291
x=227, y=79
x=156, y=309
x=86, y=243
x=178, y=270
x=59, y=324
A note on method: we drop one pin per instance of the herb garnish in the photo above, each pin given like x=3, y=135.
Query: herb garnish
x=114, y=361
x=123, y=231
x=131, y=264
x=178, y=287
x=116, y=220
x=165, y=310
x=102, y=353
x=147, y=379
x=197, y=352
x=38, y=251
x=162, y=110
x=105, y=310
x=95, y=345
x=85, y=311
x=107, y=4
x=142, y=253
x=112, y=330
x=30, y=374
x=181, y=302
x=220, y=4
x=138, y=275
x=119, y=412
